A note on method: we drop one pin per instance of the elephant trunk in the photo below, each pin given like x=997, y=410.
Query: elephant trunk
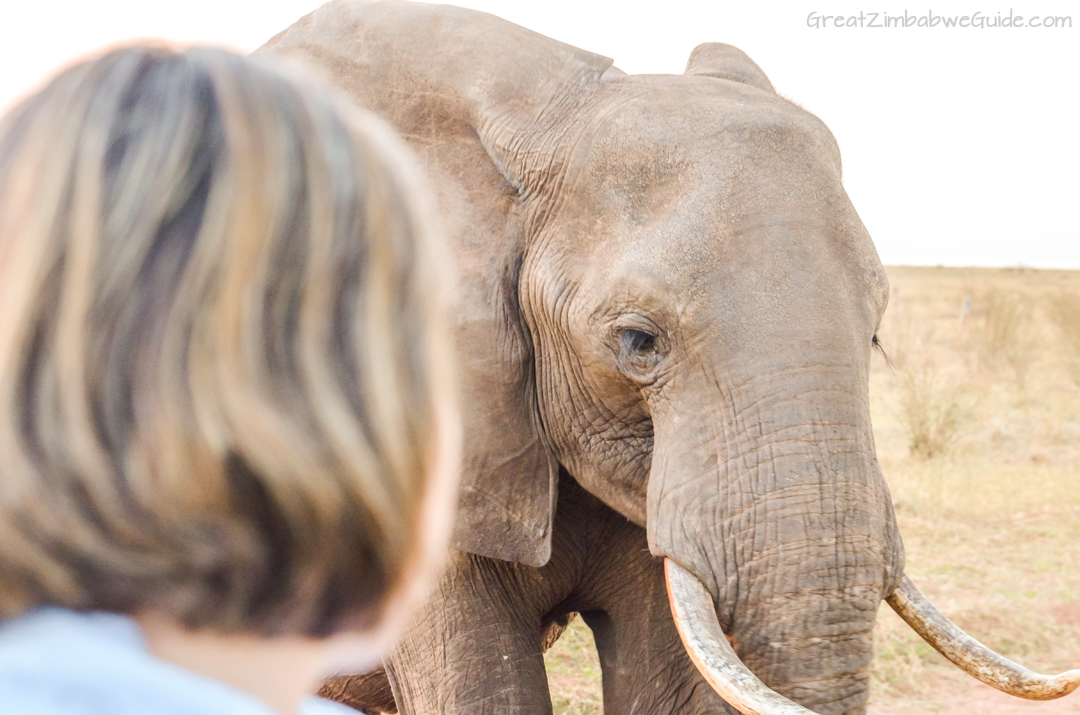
x=780, y=511
x=708, y=647
x=780, y=551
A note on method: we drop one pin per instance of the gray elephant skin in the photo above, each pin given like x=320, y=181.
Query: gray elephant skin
x=667, y=309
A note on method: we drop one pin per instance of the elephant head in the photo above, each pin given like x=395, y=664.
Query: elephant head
x=664, y=289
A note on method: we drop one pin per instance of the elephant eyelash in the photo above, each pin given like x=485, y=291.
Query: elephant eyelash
x=880, y=348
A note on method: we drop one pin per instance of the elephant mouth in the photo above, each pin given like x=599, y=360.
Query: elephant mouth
x=708, y=647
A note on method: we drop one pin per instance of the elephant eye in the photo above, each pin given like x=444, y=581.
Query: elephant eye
x=639, y=351
x=638, y=341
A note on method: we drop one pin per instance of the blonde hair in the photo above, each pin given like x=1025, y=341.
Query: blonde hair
x=221, y=348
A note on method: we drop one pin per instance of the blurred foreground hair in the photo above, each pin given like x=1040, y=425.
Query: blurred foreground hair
x=222, y=359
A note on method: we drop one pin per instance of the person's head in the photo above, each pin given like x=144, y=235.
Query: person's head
x=224, y=385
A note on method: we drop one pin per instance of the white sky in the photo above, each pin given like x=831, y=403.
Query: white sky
x=960, y=145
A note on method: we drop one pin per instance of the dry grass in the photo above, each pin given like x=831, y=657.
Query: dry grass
x=929, y=404
x=929, y=407
x=1002, y=331
x=992, y=523
x=991, y=512
x=574, y=672
x=1065, y=312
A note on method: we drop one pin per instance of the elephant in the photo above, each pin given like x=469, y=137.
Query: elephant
x=667, y=312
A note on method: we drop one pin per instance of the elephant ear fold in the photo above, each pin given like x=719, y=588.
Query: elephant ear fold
x=472, y=95
x=715, y=59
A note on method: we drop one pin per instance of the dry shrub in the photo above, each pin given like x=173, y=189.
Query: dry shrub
x=929, y=409
x=1002, y=332
x=928, y=395
x=1065, y=312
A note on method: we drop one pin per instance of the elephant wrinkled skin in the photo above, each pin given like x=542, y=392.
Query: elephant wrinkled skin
x=667, y=307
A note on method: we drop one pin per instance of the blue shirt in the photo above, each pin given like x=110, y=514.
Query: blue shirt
x=59, y=662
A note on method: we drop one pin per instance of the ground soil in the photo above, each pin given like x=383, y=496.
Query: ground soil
x=982, y=700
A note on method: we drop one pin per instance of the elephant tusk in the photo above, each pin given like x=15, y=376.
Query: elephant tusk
x=708, y=647
x=970, y=655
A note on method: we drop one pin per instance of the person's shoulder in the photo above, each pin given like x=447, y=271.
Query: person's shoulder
x=59, y=662
x=51, y=660
x=29, y=700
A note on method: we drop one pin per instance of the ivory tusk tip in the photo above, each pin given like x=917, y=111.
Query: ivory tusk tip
x=1062, y=685
x=970, y=655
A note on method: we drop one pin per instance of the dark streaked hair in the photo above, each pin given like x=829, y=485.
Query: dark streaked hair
x=220, y=348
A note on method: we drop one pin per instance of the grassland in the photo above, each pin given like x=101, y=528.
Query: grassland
x=977, y=424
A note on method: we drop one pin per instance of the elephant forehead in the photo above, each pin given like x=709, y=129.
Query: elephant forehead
x=679, y=176
x=700, y=164
x=662, y=128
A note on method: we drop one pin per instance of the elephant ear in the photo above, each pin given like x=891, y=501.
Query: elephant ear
x=715, y=59
x=474, y=96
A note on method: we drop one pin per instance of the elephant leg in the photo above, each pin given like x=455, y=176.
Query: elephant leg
x=371, y=692
x=645, y=668
x=475, y=647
